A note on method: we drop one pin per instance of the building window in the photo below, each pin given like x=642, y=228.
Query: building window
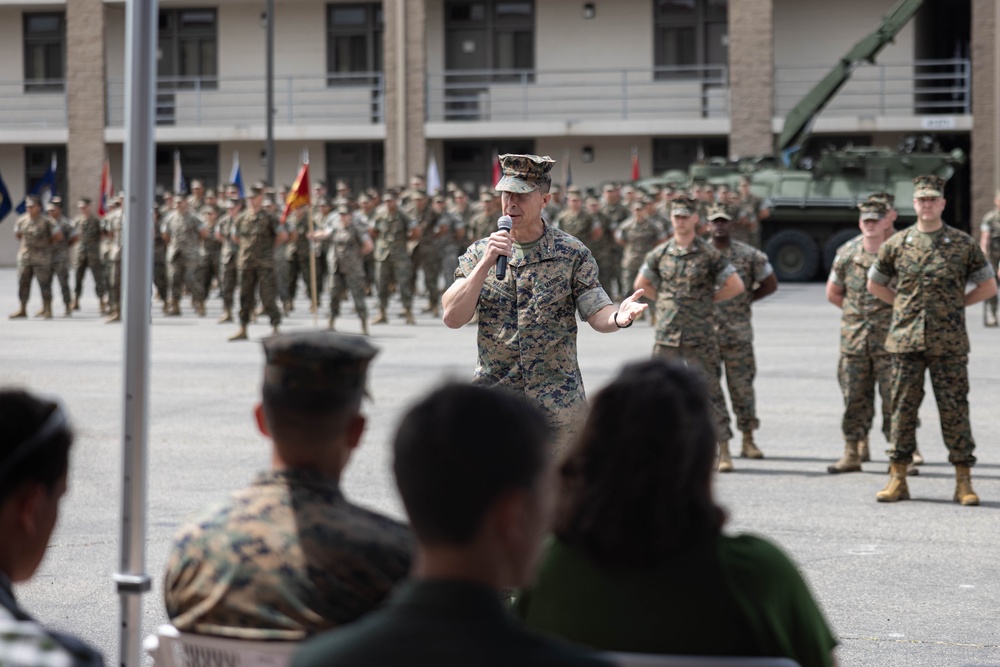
x=353, y=42
x=680, y=152
x=490, y=35
x=38, y=162
x=198, y=162
x=469, y=164
x=188, y=48
x=44, y=52
x=688, y=36
x=360, y=164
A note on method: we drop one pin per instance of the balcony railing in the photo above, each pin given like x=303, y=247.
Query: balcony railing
x=336, y=99
x=33, y=105
x=916, y=88
x=578, y=94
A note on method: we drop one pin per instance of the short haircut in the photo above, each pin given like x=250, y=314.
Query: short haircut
x=450, y=468
x=636, y=485
x=35, y=438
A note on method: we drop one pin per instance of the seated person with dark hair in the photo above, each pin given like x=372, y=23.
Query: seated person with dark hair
x=478, y=501
x=639, y=562
x=35, y=438
x=289, y=556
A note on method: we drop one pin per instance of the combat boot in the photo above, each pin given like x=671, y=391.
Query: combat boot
x=199, y=307
x=849, y=462
x=749, y=449
x=174, y=308
x=408, y=316
x=47, y=310
x=274, y=329
x=381, y=319
x=725, y=460
x=40, y=312
x=116, y=316
x=23, y=312
x=106, y=306
x=918, y=458
x=364, y=326
x=76, y=303
x=964, y=495
x=69, y=309
x=896, y=488
x=329, y=323
x=227, y=316
x=864, y=453
x=241, y=334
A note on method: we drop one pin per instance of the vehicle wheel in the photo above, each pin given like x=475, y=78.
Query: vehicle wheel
x=794, y=256
x=837, y=240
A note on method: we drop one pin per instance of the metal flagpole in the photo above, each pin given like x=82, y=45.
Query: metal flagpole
x=137, y=273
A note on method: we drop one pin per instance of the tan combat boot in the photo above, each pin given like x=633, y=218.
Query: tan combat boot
x=116, y=316
x=408, y=316
x=69, y=310
x=725, y=460
x=918, y=458
x=76, y=303
x=40, y=312
x=47, y=310
x=227, y=316
x=849, y=462
x=381, y=319
x=364, y=326
x=964, y=495
x=105, y=306
x=240, y=335
x=896, y=489
x=199, y=307
x=864, y=453
x=274, y=329
x=749, y=449
x=329, y=323
x=23, y=312
x=174, y=308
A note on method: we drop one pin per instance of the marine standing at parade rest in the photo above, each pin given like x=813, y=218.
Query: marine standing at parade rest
x=638, y=235
x=61, y=250
x=349, y=243
x=227, y=256
x=37, y=233
x=687, y=276
x=392, y=229
x=864, y=323
x=184, y=232
x=931, y=263
x=88, y=254
x=114, y=221
x=527, y=321
x=258, y=233
x=733, y=323
x=989, y=241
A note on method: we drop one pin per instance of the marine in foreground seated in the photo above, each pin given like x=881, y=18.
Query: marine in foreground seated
x=639, y=562
x=289, y=556
x=35, y=438
x=478, y=513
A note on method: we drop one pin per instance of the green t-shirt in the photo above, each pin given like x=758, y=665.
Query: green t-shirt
x=735, y=595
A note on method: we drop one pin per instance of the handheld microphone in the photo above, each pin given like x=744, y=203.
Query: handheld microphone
x=504, y=223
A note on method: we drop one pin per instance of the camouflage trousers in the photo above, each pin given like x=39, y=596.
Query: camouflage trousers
x=341, y=284
x=858, y=374
x=707, y=359
x=280, y=272
x=90, y=258
x=160, y=274
x=60, y=270
x=427, y=258
x=186, y=272
x=209, y=271
x=298, y=269
x=40, y=272
x=252, y=280
x=741, y=369
x=607, y=273
x=397, y=267
x=627, y=281
x=227, y=282
x=950, y=380
x=114, y=268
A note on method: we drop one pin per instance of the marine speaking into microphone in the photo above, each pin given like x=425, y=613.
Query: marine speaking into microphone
x=528, y=320
x=504, y=224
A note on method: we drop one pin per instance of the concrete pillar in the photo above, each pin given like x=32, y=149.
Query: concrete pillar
x=751, y=77
x=405, y=89
x=85, y=98
x=985, y=87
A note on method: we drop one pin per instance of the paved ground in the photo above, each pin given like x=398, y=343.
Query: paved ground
x=909, y=584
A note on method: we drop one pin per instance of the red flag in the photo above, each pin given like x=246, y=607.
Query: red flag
x=635, y=164
x=299, y=194
x=107, y=190
x=497, y=172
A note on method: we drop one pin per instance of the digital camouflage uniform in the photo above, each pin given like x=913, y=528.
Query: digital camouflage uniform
x=686, y=279
x=283, y=559
x=638, y=238
x=612, y=253
x=34, y=258
x=184, y=255
x=392, y=259
x=61, y=258
x=160, y=264
x=991, y=226
x=113, y=224
x=211, y=253
x=928, y=332
x=256, y=234
x=864, y=323
x=347, y=271
x=426, y=255
x=527, y=323
x=748, y=214
x=227, y=260
x=733, y=324
x=88, y=255
x=297, y=253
